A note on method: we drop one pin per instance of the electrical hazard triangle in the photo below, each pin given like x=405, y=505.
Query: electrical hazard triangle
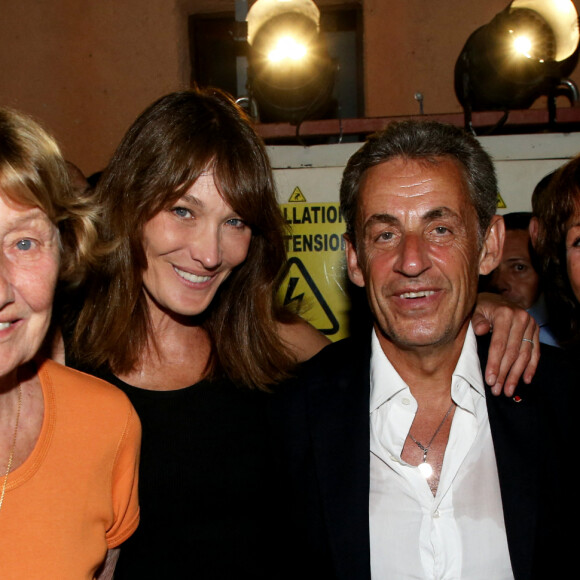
x=303, y=290
x=500, y=202
x=297, y=195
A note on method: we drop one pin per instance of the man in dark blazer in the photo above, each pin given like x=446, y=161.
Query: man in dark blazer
x=401, y=463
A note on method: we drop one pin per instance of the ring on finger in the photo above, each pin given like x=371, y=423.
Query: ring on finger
x=528, y=340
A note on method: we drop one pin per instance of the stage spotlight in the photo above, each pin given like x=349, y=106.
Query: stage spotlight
x=290, y=74
x=526, y=51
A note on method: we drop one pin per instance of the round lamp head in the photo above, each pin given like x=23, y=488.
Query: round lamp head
x=291, y=73
x=524, y=52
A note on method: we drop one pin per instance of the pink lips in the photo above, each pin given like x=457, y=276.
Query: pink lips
x=8, y=325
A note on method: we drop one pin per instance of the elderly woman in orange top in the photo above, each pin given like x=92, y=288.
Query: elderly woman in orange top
x=69, y=443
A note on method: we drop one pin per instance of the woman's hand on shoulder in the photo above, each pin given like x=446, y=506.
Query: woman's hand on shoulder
x=302, y=339
x=511, y=354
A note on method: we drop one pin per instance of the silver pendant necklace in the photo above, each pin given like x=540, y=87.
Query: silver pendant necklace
x=425, y=469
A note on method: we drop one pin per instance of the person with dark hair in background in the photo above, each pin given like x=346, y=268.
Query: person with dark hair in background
x=517, y=277
x=402, y=464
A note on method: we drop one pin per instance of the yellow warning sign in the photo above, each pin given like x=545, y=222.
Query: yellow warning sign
x=297, y=195
x=316, y=279
x=500, y=202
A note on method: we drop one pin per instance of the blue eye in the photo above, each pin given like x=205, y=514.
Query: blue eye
x=24, y=244
x=236, y=222
x=181, y=212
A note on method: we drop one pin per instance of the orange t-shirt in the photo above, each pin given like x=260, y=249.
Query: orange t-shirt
x=76, y=494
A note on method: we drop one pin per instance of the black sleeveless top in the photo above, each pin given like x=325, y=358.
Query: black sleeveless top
x=211, y=495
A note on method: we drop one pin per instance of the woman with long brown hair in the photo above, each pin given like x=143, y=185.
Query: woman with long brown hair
x=182, y=317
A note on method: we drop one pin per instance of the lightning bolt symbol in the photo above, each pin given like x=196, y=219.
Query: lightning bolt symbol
x=288, y=299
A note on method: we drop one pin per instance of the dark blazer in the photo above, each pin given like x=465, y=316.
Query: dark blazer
x=321, y=423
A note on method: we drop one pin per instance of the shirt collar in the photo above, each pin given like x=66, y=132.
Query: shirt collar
x=386, y=382
x=539, y=311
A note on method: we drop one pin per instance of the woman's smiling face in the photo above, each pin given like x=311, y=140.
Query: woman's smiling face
x=191, y=248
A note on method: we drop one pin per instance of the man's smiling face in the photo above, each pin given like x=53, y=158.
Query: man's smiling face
x=418, y=252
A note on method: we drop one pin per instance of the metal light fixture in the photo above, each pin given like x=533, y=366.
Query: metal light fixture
x=290, y=75
x=526, y=51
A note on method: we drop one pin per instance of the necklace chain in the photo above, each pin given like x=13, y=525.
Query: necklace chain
x=424, y=448
x=11, y=456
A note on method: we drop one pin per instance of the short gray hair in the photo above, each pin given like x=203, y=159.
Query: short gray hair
x=428, y=141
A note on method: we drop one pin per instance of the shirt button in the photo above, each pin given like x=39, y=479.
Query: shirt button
x=406, y=401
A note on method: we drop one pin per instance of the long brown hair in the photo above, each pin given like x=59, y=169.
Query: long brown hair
x=555, y=209
x=166, y=149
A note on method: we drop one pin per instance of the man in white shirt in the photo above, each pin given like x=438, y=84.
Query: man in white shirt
x=403, y=465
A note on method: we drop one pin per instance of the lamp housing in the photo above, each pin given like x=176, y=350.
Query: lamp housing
x=291, y=75
x=526, y=51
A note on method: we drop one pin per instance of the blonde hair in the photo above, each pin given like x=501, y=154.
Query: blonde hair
x=34, y=173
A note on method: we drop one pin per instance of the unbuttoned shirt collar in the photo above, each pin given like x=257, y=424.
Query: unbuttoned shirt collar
x=386, y=382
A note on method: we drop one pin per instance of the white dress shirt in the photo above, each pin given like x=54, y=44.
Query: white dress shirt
x=459, y=533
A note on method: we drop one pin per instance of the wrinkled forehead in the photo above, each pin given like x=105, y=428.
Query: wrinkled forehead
x=14, y=214
x=402, y=184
